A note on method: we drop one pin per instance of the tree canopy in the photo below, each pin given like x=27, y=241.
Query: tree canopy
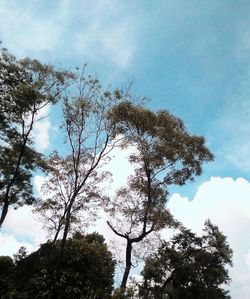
x=189, y=266
x=87, y=270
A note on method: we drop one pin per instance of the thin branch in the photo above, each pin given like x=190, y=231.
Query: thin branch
x=116, y=232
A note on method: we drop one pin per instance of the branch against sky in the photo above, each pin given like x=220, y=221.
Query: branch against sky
x=57, y=191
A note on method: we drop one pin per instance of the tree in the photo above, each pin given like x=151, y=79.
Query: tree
x=189, y=266
x=27, y=86
x=87, y=270
x=164, y=154
x=89, y=138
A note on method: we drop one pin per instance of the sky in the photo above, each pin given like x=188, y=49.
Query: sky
x=190, y=57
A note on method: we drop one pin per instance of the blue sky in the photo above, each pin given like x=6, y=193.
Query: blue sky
x=191, y=57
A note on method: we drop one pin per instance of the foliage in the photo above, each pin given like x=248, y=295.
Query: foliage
x=58, y=189
x=164, y=154
x=6, y=268
x=27, y=86
x=189, y=266
x=87, y=271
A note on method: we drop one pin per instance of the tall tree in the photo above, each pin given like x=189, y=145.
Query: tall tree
x=164, y=154
x=89, y=138
x=189, y=266
x=27, y=86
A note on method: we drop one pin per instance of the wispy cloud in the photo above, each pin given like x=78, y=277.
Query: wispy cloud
x=24, y=31
x=94, y=31
x=113, y=44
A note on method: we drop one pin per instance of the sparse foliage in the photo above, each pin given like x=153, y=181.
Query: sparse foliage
x=89, y=137
x=58, y=190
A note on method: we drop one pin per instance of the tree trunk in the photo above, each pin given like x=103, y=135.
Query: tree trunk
x=56, y=235
x=4, y=212
x=54, y=294
x=128, y=264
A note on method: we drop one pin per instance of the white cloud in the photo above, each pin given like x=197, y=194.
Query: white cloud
x=227, y=203
x=248, y=258
x=10, y=245
x=21, y=227
x=22, y=224
x=106, y=37
x=224, y=200
x=119, y=167
x=25, y=31
x=38, y=182
x=41, y=129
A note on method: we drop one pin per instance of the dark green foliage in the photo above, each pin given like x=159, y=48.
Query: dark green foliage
x=189, y=266
x=26, y=87
x=86, y=272
x=6, y=269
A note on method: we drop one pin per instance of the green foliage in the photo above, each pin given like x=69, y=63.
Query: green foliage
x=189, y=266
x=87, y=270
x=164, y=154
x=162, y=142
x=6, y=269
x=27, y=86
